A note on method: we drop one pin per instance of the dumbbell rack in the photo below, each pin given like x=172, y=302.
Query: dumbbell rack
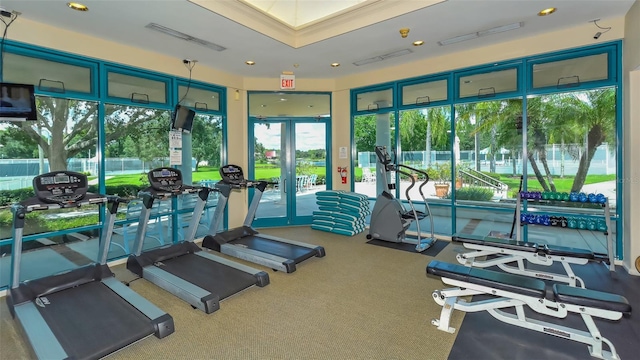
x=573, y=204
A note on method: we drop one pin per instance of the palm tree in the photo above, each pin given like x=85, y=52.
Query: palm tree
x=593, y=124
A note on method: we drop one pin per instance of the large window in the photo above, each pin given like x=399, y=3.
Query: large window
x=481, y=145
x=64, y=137
x=572, y=149
x=113, y=137
x=370, y=131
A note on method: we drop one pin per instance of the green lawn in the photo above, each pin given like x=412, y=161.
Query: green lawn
x=562, y=184
x=263, y=172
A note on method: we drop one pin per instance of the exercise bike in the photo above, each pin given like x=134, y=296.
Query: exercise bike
x=389, y=218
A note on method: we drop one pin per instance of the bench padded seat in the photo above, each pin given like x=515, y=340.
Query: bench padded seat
x=591, y=298
x=494, y=279
x=496, y=242
x=568, y=252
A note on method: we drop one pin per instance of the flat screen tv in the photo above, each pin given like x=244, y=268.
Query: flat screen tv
x=17, y=102
x=182, y=118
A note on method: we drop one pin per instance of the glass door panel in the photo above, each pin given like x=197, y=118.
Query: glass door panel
x=291, y=154
x=310, y=157
x=270, y=162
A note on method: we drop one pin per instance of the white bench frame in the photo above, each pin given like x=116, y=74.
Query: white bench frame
x=450, y=299
x=506, y=256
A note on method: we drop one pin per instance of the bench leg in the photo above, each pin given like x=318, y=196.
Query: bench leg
x=445, y=315
x=595, y=348
x=592, y=339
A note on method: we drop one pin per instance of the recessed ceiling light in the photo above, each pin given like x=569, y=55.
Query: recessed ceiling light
x=249, y=62
x=283, y=99
x=418, y=43
x=263, y=105
x=547, y=11
x=77, y=6
x=335, y=64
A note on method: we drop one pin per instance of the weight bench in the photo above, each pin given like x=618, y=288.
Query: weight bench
x=501, y=252
x=515, y=291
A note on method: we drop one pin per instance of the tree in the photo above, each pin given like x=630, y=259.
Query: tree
x=16, y=144
x=594, y=120
x=67, y=127
x=206, y=135
x=364, y=132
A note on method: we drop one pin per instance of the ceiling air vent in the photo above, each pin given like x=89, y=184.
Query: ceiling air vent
x=185, y=37
x=382, y=57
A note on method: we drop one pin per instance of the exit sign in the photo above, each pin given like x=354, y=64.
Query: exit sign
x=287, y=82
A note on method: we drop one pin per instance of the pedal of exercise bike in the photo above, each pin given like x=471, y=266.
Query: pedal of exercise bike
x=410, y=216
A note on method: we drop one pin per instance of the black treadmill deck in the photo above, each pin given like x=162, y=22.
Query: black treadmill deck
x=91, y=321
x=218, y=279
x=274, y=247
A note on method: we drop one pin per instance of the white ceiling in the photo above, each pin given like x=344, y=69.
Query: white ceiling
x=297, y=13
x=125, y=21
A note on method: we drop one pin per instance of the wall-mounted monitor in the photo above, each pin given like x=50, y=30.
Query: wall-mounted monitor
x=182, y=118
x=17, y=102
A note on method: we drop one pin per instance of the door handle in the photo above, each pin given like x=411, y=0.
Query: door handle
x=284, y=185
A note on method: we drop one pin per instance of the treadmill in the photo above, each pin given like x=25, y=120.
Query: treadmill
x=84, y=313
x=183, y=269
x=245, y=242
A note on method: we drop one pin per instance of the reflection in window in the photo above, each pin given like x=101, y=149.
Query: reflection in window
x=374, y=100
x=488, y=84
x=63, y=138
x=199, y=99
x=30, y=70
x=136, y=89
x=571, y=72
x=424, y=93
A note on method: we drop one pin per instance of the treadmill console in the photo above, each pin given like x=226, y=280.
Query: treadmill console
x=60, y=187
x=166, y=179
x=232, y=174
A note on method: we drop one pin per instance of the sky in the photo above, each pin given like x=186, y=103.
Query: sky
x=309, y=136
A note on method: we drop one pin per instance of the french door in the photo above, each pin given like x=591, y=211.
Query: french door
x=293, y=155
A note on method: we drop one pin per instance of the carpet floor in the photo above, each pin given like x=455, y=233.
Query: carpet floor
x=357, y=302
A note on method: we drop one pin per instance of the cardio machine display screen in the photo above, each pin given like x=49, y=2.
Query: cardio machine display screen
x=60, y=187
x=232, y=174
x=165, y=179
x=61, y=179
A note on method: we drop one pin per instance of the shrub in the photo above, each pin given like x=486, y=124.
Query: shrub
x=8, y=197
x=474, y=193
x=492, y=175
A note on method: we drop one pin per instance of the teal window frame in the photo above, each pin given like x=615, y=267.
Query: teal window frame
x=524, y=89
x=99, y=70
x=50, y=55
x=382, y=87
x=486, y=69
x=612, y=59
x=142, y=74
x=433, y=78
x=222, y=94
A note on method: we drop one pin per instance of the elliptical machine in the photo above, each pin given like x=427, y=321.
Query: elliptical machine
x=389, y=219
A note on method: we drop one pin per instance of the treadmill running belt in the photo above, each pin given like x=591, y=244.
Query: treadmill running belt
x=91, y=321
x=218, y=279
x=273, y=247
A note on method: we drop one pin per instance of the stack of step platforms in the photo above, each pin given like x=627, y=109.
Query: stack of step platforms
x=341, y=212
